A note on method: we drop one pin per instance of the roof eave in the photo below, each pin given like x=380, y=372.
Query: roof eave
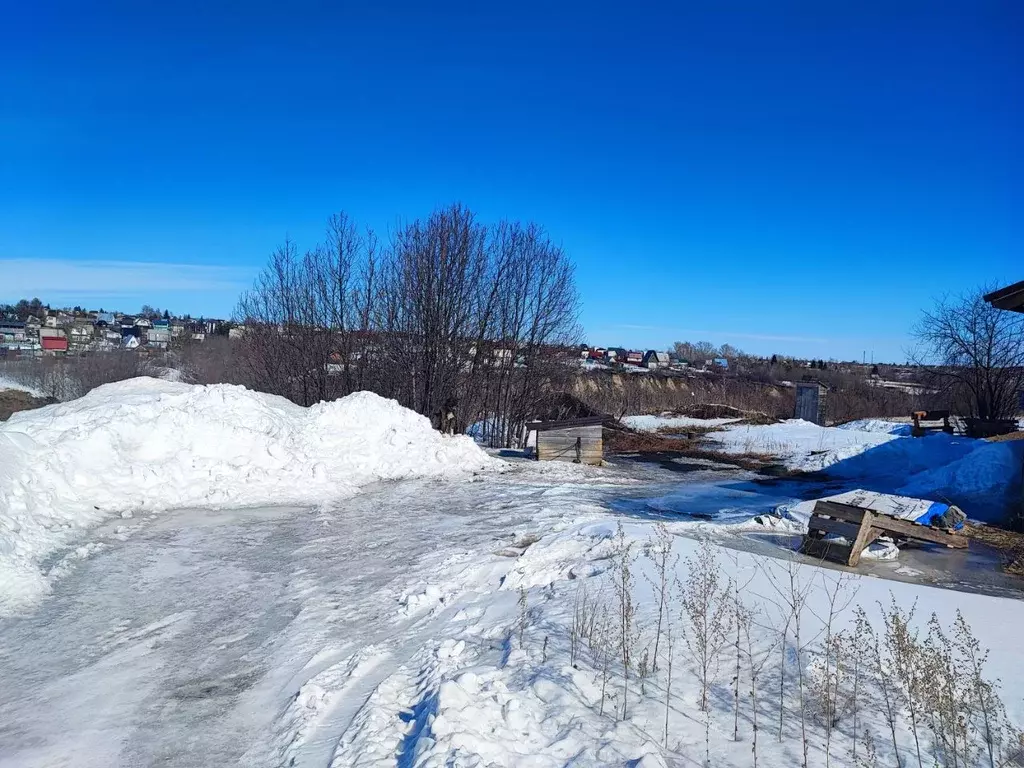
x=1010, y=298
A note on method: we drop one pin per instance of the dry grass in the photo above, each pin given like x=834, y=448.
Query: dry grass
x=14, y=400
x=690, y=432
x=619, y=442
x=1004, y=438
x=1009, y=543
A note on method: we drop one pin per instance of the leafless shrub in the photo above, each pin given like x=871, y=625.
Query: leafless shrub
x=829, y=685
x=628, y=631
x=860, y=649
x=868, y=757
x=885, y=678
x=668, y=649
x=905, y=659
x=791, y=589
x=759, y=648
x=603, y=648
x=659, y=552
x=704, y=599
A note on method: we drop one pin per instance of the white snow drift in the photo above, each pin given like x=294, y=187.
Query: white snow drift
x=146, y=445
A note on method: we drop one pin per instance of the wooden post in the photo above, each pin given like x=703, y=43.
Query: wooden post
x=864, y=538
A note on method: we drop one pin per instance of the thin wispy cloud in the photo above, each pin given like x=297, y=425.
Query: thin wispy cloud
x=41, y=277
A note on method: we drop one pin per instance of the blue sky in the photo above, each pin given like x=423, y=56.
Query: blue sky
x=793, y=177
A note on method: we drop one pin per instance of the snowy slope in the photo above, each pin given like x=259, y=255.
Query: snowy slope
x=978, y=476
x=650, y=423
x=148, y=444
x=878, y=425
x=801, y=445
x=8, y=383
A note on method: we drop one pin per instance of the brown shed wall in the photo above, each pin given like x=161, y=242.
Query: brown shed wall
x=560, y=444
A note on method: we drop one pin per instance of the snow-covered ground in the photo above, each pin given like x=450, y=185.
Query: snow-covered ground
x=649, y=423
x=887, y=426
x=421, y=623
x=411, y=605
x=801, y=445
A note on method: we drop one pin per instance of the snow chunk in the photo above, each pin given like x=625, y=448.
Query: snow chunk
x=150, y=444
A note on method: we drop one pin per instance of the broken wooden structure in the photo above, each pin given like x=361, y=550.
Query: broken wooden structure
x=930, y=421
x=576, y=440
x=859, y=527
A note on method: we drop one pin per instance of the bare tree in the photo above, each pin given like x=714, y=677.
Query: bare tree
x=976, y=352
x=457, y=320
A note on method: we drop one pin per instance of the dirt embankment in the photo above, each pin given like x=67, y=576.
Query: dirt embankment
x=14, y=400
x=621, y=393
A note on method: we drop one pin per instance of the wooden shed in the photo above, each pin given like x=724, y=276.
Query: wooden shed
x=576, y=440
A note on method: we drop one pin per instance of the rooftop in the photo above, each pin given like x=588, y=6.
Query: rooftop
x=1011, y=297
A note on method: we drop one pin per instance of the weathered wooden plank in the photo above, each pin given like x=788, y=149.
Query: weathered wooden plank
x=836, y=527
x=544, y=453
x=825, y=549
x=865, y=536
x=593, y=458
x=570, y=441
x=545, y=450
x=587, y=421
x=846, y=512
x=922, y=532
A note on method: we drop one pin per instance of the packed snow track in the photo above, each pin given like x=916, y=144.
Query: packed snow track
x=249, y=637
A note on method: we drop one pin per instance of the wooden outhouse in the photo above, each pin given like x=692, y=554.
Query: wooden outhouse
x=575, y=440
x=811, y=397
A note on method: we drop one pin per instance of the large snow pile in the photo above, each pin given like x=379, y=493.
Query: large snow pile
x=800, y=444
x=147, y=444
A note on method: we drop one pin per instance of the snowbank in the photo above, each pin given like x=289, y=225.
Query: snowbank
x=980, y=477
x=900, y=428
x=800, y=444
x=146, y=445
